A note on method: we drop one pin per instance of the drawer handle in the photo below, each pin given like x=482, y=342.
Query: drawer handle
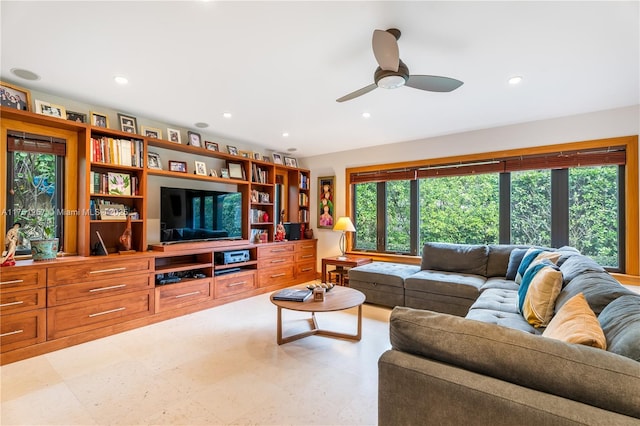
x=20, y=302
x=107, y=312
x=102, y=271
x=11, y=282
x=193, y=293
x=93, y=290
x=306, y=269
x=235, y=284
x=307, y=256
x=11, y=332
x=278, y=275
x=277, y=250
x=278, y=260
x=307, y=246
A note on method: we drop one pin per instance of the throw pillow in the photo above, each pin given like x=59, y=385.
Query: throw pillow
x=515, y=258
x=575, y=322
x=538, y=291
x=533, y=255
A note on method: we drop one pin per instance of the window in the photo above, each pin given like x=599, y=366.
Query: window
x=35, y=167
x=365, y=207
x=531, y=207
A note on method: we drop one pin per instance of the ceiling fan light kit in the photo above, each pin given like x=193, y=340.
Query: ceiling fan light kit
x=392, y=73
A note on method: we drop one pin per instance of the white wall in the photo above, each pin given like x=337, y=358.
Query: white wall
x=597, y=125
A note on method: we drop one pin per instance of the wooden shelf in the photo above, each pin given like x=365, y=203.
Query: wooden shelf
x=179, y=267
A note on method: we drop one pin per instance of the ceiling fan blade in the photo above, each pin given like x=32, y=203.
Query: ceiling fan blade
x=385, y=49
x=433, y=83
x=357, y=93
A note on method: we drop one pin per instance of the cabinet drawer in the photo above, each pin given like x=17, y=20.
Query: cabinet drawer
x=90, y=290
x=79, y=317
x=97, y=270
x=281, y=260
x=306, y=271
x=22, y=278
x=306, y=256
x=22, y=329
x=306, y=246
x=235, y=284
x=20, y=301
x=275, y=250
x=174, y=296
x=275, y=276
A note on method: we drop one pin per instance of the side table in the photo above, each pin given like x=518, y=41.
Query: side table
x=342, y=262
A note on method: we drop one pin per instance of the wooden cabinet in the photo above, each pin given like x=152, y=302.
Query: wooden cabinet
x=234, y=284
x=173, y=296
x=305, y=260
x=98, y=268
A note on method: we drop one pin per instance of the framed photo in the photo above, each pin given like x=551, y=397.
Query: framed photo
x=232, y=150
x=245, y=154
x=266, y=159
x=52, y=110
x=224, y=173
x=327, y=213
x=99, y=120
x=151, y=132
x=213, y=173
x=236, y=171
x=127, y=123
x=78, y=117
x=291, y=162
x=194, y=139
x=173, y=135
x=257, y=156
x=15, y=97
x=201, y=168
x=112, y=211
x=277, y=158
x=178, y=166
x=211, y=146
x=153, y=161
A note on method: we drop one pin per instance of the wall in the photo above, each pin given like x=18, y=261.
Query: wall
x=596, y=125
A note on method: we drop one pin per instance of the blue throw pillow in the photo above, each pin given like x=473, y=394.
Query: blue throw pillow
x=528, y=277
x=527, y=260
x=515, y=258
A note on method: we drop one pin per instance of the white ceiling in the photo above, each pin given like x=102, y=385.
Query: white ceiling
x=280, y=66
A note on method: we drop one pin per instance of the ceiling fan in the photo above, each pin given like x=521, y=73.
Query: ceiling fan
x=393, y=73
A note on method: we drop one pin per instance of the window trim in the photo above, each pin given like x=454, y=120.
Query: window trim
x=631, y=258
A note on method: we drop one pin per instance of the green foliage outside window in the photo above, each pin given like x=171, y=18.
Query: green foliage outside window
x=366, y=220
x=531, y=207
x=398, y=212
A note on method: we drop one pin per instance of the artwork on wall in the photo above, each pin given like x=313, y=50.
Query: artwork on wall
x=327, y=213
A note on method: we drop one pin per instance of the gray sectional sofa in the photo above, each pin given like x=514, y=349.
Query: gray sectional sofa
x=462, y=353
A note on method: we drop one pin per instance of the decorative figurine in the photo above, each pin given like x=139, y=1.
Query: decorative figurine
x=125, y=238
x=10, y=244
x=280, y=232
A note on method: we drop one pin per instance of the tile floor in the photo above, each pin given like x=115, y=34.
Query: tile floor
x=219, y=366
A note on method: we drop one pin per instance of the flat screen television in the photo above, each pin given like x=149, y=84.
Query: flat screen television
x=199, y=215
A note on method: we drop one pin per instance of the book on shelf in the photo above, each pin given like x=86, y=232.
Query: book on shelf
x=122, y=152
x=293, y=295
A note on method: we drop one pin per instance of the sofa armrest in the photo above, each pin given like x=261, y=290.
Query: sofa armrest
x=576, y=372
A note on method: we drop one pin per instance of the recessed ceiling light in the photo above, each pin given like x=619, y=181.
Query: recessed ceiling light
x=25, y=74
x=516, y=79
x=366, y=115
x=120, y=79
x=226, y=115
x=285, y=134
x=201, y=125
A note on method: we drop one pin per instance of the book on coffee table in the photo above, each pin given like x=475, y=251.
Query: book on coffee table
x=293, y=295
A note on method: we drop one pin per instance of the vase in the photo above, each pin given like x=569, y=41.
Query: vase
x=44, y=249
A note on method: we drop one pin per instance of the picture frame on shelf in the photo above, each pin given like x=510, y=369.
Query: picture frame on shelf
x=153, y=161
x=78, y=117
x=194, y=139
x=211, y=146
x=236, y=171
x=277, y=158
x=245, y=154
x=173, y=135
x=290, y=161
x=224, y=173
x=201, y=168
x=119, y=183
x=178, y=166
x=112, y=211
x=99, y=119
x=327, y=208
x=151, y=132
x=266, y=158
x=257, y=156
x=213, y=173
x=15, y=97
x=128, y=123
x=49, y=109
x=232, y=150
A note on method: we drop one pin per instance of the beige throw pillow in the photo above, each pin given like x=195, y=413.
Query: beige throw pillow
x=575, y=322
x=541, y=295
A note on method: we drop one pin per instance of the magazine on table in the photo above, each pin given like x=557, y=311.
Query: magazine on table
x=293, y=295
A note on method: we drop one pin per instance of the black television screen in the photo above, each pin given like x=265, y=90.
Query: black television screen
x=196, y=214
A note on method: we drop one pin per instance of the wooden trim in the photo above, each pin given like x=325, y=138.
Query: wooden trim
x=632, y=202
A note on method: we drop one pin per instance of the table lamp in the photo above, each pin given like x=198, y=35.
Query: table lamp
x=345, y=225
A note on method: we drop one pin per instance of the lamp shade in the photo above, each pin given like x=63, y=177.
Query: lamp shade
x=344, y=224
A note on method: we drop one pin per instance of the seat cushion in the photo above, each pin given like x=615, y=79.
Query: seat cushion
x=498, y=282
x=462, y=258
x=447, y=283
x=384, y=273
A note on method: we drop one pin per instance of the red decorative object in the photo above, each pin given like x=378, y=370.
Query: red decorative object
x=265, y=217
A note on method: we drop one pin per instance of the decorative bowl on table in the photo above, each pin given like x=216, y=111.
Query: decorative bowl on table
x=326, y=286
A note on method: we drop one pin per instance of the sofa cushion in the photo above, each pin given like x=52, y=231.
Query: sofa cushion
x=534, y=255
x=620, y=321
x=499, y=306
x=599, y=288
x=577, y=372
x=449, y=283
x=515, y=258
x=576, y=323
x=498, y=282
x=538, y=291
x=383, y=273
x=575, y=265
x=462, y=258
x=498, y=259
